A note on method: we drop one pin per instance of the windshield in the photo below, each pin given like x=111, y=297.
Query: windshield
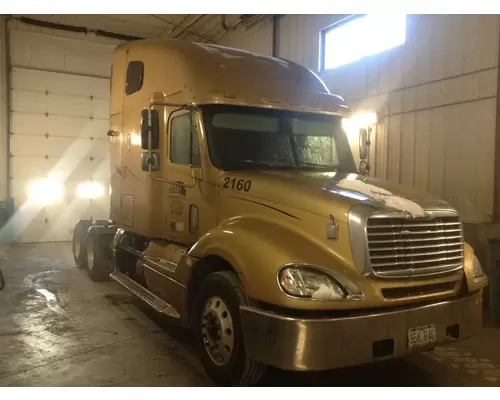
x=245, y=137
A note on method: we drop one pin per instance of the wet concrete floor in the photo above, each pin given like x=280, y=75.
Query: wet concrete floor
x=58, y=328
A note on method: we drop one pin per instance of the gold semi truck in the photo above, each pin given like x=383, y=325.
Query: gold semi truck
x=237, y=208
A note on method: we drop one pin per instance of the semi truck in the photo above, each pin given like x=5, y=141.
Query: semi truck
x=237, y=208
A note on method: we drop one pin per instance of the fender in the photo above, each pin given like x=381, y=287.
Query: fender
x=257, y=248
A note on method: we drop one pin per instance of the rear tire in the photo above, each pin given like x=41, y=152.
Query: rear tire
x=79, y=240
x=97, y=260
x=219, y=299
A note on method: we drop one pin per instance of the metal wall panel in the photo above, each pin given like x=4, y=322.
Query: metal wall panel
x=299, y=37
x=4, y=112
x=435, y=100
x=59, y=124
x=54, y=53
x=257, y=38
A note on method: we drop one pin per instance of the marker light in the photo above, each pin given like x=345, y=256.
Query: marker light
x=353, y=124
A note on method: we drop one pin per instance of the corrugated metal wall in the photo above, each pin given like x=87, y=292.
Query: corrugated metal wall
x=435, y=98
x=258, y=38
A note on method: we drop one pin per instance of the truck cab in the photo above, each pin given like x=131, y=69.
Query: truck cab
x=237, y=208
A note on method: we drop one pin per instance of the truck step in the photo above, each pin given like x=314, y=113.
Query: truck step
x=145, y=295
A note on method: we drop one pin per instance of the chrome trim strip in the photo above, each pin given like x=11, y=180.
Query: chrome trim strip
x=419, y=254
x=437, y=260
x=417, y=240
x=410, y=232
x=161, y=263
x=429, y=271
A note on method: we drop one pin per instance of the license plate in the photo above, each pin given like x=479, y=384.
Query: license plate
x=418, y=337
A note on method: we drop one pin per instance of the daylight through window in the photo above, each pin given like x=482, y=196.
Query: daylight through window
x=361, y=37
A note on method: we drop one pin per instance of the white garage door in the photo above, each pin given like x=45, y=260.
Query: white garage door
x=59, y=124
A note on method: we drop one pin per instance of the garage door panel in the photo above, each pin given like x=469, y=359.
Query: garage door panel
x=31, y=226
x=23, y=145
x=70, y=196
x=52, y=223
x=62, y=219
x=39, y=51
x=28, y=168
x=36, y=146
x=59, y=83
x=31, y=167
x=61, y=105
x=58, y=126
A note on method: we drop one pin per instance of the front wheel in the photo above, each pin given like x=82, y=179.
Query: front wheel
x=218, y=332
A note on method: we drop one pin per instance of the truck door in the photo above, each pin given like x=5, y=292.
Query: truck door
x=183, y=162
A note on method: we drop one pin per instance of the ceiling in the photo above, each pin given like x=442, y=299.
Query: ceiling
x=194, y=27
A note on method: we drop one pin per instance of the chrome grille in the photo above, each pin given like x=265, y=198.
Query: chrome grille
x=399, y=247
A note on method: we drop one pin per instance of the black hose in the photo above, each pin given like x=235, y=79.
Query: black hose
x=2, y=281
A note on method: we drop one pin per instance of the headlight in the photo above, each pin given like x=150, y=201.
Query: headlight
x=308, y=283
x=90, y=190
x=477, y=270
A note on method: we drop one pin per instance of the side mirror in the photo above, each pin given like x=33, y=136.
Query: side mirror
x=364, y=167
x=363, y=143
x=150, y=123
x=2, y=281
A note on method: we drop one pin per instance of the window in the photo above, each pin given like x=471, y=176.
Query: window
x=359, y=37
x=135, y=77
x=184, y=148
x=247, y=137
x=314, y=141
x=239, y=121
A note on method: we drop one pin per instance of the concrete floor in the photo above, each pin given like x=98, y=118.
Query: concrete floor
x=58, y=328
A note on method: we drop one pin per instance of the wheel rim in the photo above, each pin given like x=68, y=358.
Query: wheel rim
x=90, y=253
x=217, y=331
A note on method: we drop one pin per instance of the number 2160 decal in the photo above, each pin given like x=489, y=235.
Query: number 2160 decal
x=238, y=184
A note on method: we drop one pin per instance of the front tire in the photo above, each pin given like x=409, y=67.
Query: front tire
x=79, y=239
x=218, y=332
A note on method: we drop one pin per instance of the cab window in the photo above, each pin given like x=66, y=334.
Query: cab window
x=184, y=147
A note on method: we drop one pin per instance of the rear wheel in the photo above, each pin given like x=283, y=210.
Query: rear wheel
x=97, y=260
x=218, y=332
x=79, y=239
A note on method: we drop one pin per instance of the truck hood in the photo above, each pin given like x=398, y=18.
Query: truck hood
x=330, y=193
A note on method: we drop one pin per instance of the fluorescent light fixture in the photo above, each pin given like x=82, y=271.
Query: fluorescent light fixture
x=45, y=191
x=90, y=190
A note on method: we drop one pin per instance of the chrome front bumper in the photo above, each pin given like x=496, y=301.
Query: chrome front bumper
x=327, y=343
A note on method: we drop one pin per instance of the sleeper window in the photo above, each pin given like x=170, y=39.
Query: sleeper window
x=135, y=77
